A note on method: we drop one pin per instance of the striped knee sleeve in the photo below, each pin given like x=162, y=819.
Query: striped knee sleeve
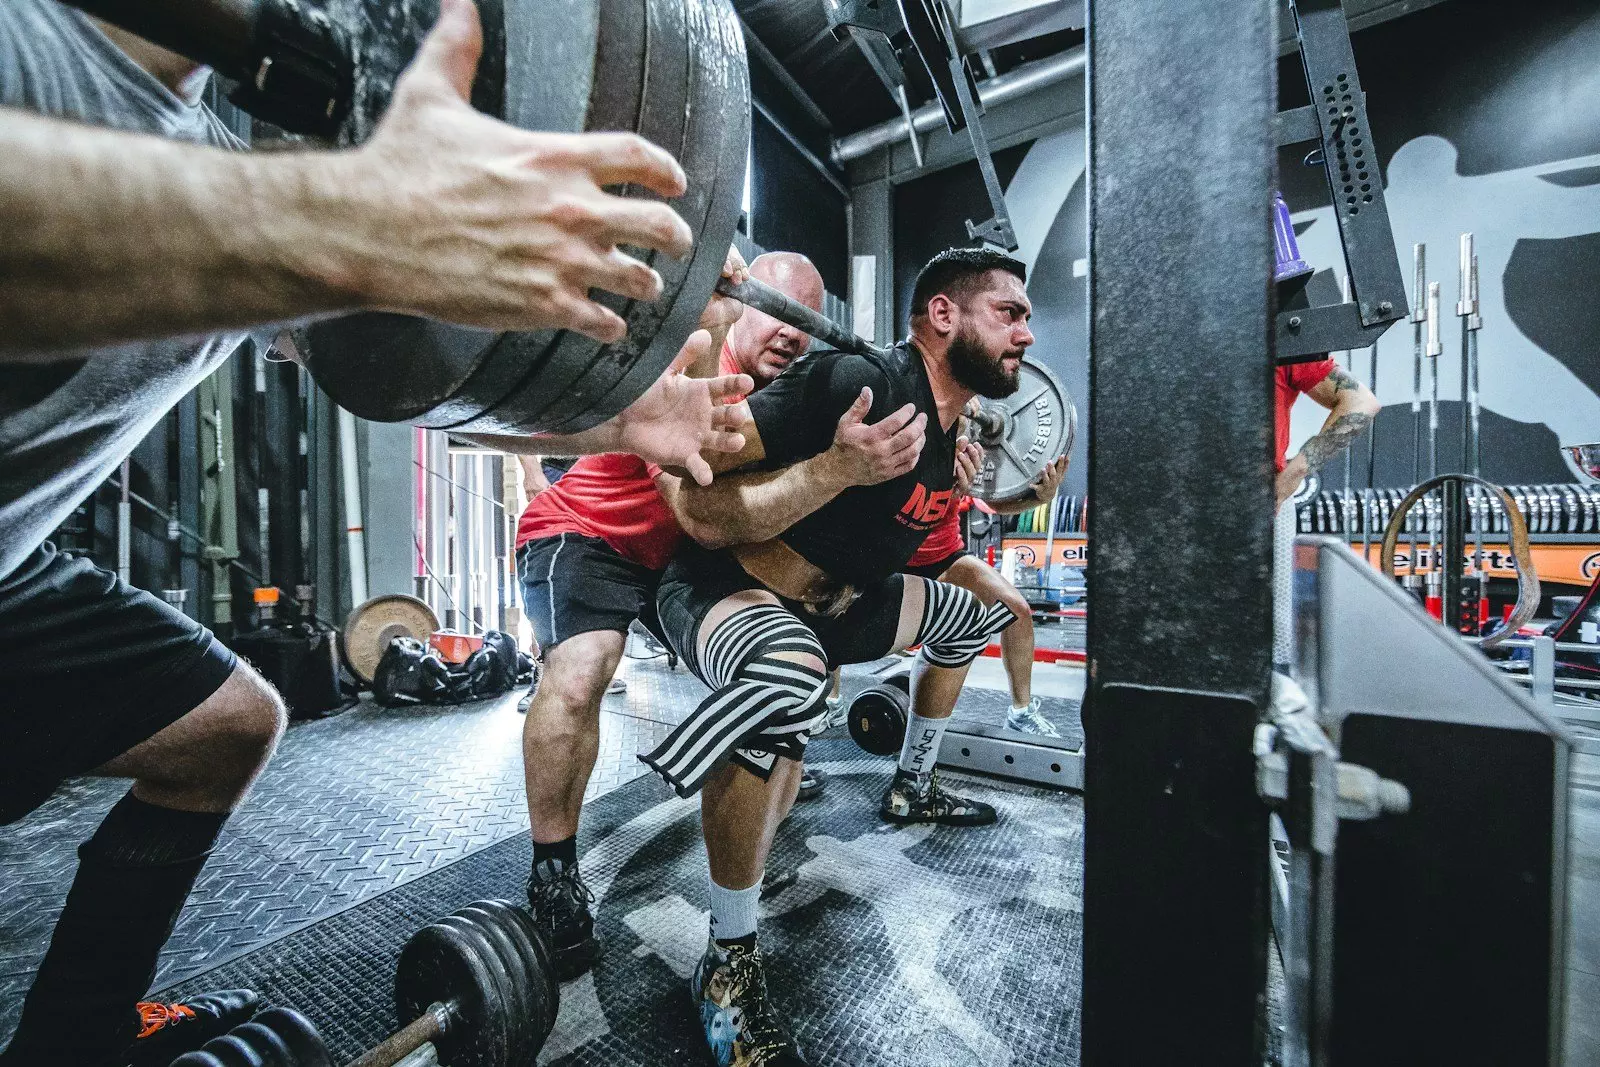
x=956, y=627
x=762, y=705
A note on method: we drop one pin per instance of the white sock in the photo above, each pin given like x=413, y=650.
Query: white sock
x=921, y=749
x=1018, y=709
x=734, y=911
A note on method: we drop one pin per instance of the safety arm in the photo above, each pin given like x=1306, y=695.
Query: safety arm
x=740, y=509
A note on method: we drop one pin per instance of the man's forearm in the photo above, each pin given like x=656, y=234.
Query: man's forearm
x=605, y=437
x=224, y=240
x=739, y=509
x=1337, y=434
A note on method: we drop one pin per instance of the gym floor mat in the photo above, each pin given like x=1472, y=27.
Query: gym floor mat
x=892, y=947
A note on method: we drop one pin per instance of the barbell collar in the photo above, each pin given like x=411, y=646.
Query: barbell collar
x=765, y=298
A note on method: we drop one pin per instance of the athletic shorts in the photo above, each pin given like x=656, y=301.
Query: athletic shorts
x=934, y=571
x=89, y=668
x=698, y=579
x=572, y=584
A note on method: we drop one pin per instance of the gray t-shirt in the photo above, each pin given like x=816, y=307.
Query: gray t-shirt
x=65, y=426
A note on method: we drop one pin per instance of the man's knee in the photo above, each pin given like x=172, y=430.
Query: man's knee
x=249, y=721
x=573, y=682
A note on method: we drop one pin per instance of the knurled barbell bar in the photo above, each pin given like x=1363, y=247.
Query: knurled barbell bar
x=479, y=987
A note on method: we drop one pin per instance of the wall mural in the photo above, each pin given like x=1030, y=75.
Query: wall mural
x=1475, y=145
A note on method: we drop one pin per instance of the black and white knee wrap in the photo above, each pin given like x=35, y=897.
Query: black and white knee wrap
x=956, y=627
x=762, y=706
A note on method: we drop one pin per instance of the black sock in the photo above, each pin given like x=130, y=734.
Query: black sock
x=565, y=850
x=133, y=877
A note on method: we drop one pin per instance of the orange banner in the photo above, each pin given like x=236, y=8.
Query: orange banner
x=1568, y=563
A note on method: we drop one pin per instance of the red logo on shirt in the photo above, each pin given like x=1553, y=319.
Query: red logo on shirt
x=923, y=509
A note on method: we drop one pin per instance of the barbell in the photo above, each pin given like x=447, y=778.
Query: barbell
x=479, y=987
x=1020, y=435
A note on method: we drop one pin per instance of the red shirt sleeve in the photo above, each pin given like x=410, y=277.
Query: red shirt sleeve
x=1304, y=377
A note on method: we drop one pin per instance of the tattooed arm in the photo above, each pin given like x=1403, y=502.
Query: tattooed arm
x=1351, y=409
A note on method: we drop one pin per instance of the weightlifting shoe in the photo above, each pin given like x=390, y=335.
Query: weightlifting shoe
x=1030, y=720
x=913, y=798
x=730, y=992
x=811, y=785
x=167, y=1031
x=560, y=904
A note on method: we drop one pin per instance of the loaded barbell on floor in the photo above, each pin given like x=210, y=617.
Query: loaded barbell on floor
x=877, y=715
x=479, y=987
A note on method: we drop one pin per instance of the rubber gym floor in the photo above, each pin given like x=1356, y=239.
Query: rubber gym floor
x=890, y=947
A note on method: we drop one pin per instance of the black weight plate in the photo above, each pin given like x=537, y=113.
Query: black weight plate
x=524, y=374
x=714, y=157
x=444, y=964
x=231, y=1051
x=298, y=1034
x=524, y=1013
x=535, y=972
x=196, y=1059
x=267, y=1044
x=624, y=54
x=664, y=118
x=396, y=368
x=534, y=938
x=878, y=720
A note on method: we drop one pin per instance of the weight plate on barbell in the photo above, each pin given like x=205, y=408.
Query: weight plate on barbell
x=298, y=1033
x=456, y=966
x=535, y=939
x=716, y=143
x=373, y=625
x=1036, y=426
x=663, y=117
x=536, y=971
x=522, y=1041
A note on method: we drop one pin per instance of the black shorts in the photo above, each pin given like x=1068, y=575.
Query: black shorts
x=572, y=584
x=934, y=571
x=698, y=579
x=89, y=668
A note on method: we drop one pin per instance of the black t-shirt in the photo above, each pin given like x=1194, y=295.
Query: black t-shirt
x=867, y=532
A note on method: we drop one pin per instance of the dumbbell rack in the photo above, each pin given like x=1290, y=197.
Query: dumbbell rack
x=1563, y=523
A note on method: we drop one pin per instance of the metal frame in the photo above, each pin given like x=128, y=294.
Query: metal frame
x=1010, y=757
x=1337, y=119
x=1175, y=902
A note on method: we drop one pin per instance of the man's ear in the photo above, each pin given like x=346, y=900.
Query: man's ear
x=941, y=313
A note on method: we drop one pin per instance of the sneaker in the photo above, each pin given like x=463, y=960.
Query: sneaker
x=811, y=784
x=167, y=1031
x=838, y=713
x=617, y=686
x=560, y=904
x=1030, y=720
x=920, y=798
x=522, y=705
x=742, y=1029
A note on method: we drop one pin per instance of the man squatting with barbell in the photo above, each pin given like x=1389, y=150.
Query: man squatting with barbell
x=115, y=239
x=761, y=624
x=590, y=552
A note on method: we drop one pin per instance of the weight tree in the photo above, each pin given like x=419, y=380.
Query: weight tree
x=1182, y=99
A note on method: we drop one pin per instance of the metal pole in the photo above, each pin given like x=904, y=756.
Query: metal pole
x=125, y=528
x=1419, y=318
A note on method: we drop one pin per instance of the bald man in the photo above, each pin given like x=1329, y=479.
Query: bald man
x=590, y=552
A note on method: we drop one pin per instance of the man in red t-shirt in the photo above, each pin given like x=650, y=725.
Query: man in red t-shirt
x=943, y=557
x=590, y=551
x=1351, y=409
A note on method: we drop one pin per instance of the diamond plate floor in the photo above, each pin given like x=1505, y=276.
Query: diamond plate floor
x=894, y=946
x=350, y=807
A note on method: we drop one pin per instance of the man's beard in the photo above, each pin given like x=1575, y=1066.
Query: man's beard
x=974, y=368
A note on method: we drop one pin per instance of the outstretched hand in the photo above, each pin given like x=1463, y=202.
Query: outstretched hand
x=867, y=455
x=679, y=416
x=969, y=461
